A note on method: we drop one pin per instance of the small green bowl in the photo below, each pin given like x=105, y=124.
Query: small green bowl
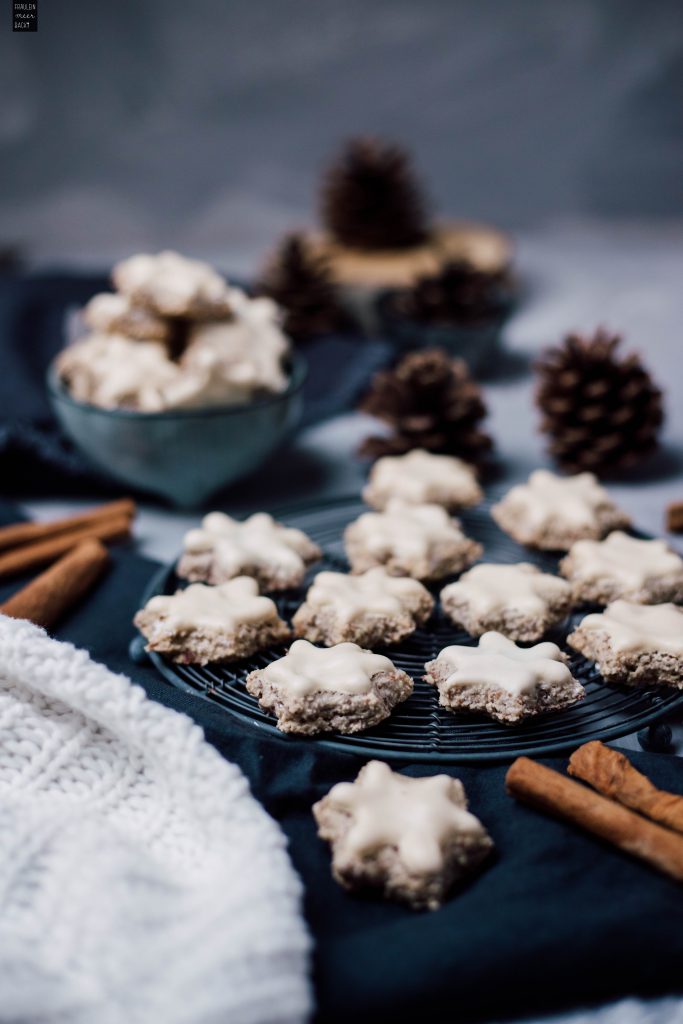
x=184, y=455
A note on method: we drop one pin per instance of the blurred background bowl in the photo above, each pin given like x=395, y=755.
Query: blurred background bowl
x=182, y=455
x=480, y=345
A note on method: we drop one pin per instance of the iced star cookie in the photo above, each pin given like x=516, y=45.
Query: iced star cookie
x=420, y=478
x=422, y=541
x=634, y=643
x=644, y=571
x=275, y=555
x=245, y=355
x=410, y=838
x=173, y=285
x=109, y=313
x=552, y=512
x=372, y=609
x=519, y=601
x=321, y=689
x=202, y=624
x=507, y=682
x=114, y=372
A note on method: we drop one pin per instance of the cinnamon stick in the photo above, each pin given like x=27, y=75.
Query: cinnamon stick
x=25, y=533
x=613, y=775
x=55, y=591
x=31, y=556
x=550, y=791
x=674, y=517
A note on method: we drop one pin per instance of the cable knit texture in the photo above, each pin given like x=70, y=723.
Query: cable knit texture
x=139, y=879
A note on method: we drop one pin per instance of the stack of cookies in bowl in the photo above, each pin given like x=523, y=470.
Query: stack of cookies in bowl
x=182, y=382
x=410, y=562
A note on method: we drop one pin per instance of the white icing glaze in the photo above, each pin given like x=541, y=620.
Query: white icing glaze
x=225, y=607
x=420, y=476
x=171, y=282
x=245, y=354
x=113, y=372
x=258, y=540
x=344, y=668
x=624, y=559
x=490, y=588
x=500, y=663
x=226, y=361
x=547, y=499
x=110, y=313
x=104, y=309
x=410, y=531
x=639, y=628
x=203, y=386
x=416, y=816
x=373, y=592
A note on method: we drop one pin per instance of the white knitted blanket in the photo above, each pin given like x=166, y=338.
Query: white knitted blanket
x=140, y=882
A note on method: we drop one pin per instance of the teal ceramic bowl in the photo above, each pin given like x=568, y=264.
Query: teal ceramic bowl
x=185, y=455
x=480, y=345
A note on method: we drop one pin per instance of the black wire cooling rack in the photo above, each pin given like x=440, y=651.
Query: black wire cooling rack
x=418, y=729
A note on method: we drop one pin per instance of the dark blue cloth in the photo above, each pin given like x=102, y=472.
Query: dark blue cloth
x=35, y=458
x=557, y=920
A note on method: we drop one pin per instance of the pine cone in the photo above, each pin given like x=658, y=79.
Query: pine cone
x=371, y=198
x=602, y=412
x=300, y=282
x=431, y=402
x=458, y=294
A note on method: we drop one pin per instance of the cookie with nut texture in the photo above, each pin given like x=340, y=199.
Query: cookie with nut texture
x=421, y=477
x=109, y=313
x=322, y=689
x=519, y=601
x=500, y=679
x=621, y=566
x=552, y=512
x=173, y=285
x=421, y=541
x=409, y=838
x=634, y=644
x=202, y=624
x=372, y=609
x=277, y=556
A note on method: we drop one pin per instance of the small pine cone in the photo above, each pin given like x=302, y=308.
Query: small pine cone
x=299, y=281
x=601, y=412
x=458, y=294
x=371, y=199
x=431, y=402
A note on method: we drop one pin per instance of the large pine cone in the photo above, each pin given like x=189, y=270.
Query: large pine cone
x=602, y=412
x=431, y=402
x=299, y=281
x=371, y=198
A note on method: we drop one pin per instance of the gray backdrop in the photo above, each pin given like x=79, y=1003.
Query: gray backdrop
x=204, y=124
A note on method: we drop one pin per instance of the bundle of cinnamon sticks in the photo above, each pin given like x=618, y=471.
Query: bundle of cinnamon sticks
x=73, y=548
x=623, y=807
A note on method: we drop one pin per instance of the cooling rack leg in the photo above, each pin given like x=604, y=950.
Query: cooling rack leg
x=136, y=651
x=656, y=739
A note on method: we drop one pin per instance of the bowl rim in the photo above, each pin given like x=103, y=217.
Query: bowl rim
x=297, y=377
